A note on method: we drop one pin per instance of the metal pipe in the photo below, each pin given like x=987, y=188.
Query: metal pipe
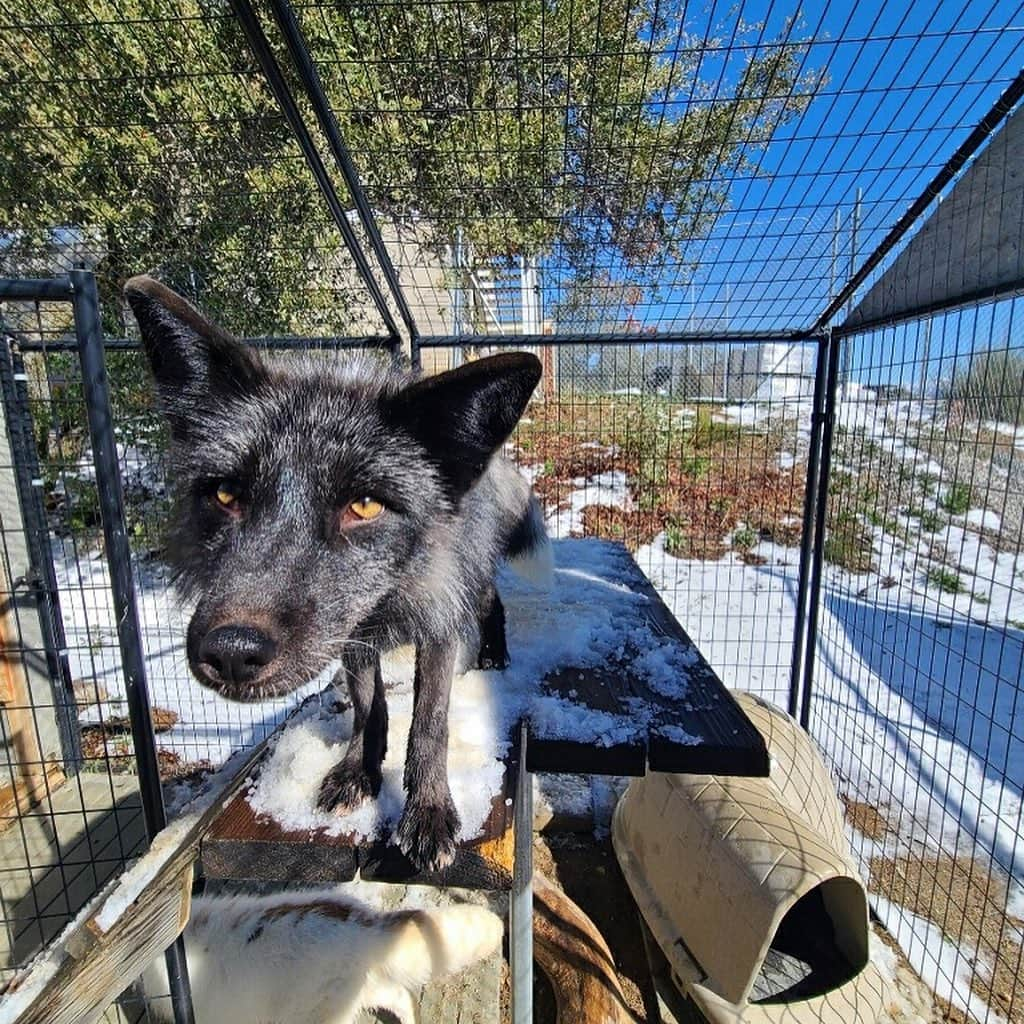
x=89, y=332
x=1010, y=290
x=612, y=338
x=288, y=343
x=1000, y=109
x=311, y=83
x=814, y=592
x=283, y=344
x=27, y=289
x=854, y=243
x=807, y=531
x=521, y=905
x=279, y=87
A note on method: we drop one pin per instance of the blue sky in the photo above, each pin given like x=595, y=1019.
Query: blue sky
x=906, y=83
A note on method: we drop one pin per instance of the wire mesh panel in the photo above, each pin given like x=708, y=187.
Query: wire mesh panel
x=917, y=694
x=675, y=168
x=625, y=177
x=70, y=810
x=144, y=137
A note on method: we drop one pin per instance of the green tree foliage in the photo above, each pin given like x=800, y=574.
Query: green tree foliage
x=597, y=125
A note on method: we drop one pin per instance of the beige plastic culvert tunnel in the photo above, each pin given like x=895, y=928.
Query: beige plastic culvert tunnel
x=748, y=888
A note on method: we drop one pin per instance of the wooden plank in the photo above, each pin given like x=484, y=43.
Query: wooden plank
x=481, y=863
x=243, y=845
x=98, y=965
x=599, y=689
x=29, y=788
x=728, y=742
x=706, y=732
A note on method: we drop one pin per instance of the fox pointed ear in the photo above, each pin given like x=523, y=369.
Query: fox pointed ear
x=194, y=362
x=462, y=417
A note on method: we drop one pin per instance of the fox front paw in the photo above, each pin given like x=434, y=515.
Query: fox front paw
x=426, y=834
x=345, y=787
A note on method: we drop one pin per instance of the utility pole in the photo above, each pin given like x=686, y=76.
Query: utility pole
x=845, y=342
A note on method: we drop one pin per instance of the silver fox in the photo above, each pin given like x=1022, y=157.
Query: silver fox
x=332, y=511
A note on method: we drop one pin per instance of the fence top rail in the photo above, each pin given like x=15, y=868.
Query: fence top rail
x=33, y=289
x=613, y=338
x=282, y=343
x=296, y=342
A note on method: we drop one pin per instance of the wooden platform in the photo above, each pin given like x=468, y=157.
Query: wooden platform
x=705, y=732
x=723, y=740
x=241, y=845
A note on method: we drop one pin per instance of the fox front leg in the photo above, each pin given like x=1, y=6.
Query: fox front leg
x=358, y=774
x=493, y=647
x=429, y=824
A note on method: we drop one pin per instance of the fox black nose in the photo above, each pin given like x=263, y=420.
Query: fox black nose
x=236, y=653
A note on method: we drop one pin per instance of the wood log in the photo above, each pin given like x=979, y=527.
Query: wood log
x=569, y=949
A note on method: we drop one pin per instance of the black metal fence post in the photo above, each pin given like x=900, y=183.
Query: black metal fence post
x=89, y=332
x=250, y=25
x=808, y=535
x=311, y=83
x=832, y=344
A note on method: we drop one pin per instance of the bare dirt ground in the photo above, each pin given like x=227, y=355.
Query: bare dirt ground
x=968, y=902
x=961, y=896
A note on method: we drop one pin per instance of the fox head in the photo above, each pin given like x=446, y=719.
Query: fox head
x=312, y=500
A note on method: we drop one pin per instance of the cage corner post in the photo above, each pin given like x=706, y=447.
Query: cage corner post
x=89, y=335
x=521, y=903
x=832, y=344
x=808, y=536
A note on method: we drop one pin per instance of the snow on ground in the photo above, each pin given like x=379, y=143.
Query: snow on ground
x=609, y=488
x=209, y=726
x=1007, y=430
x=912, y=705
x=983, y=519
x=945, y=967
x=907, y=699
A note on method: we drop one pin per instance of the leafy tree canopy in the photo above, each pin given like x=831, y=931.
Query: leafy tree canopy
x=598, y=126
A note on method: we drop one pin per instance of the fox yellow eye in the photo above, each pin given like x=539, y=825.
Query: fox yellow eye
x=365, y=509
x=226, y=496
